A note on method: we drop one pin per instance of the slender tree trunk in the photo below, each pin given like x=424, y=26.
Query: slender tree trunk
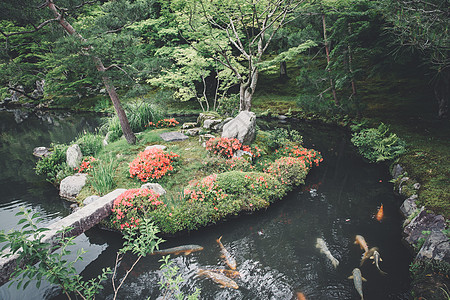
x=247, y=89
x=283, y=70
x=350, y=60
x=327, y=50
x=442, y=93
x=127, y=132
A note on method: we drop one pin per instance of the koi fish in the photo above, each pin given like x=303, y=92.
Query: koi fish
x=376, y=259
x=359, y=239
x=186, y=249
x=300, y=296
x=228, y=273
x=221, y=279
x=380, y=213
x=322, y=245
x=357, y=281
x=368, y=254
x=231, y=262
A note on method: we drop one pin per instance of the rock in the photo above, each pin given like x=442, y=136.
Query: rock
x=205, y=137
x=416, y=186
x=41, y=152
x=156, y=187
x=74, y=207
x=436, y=246
x=423, y=222
x=242, y=127
x=207, y=124
x=245, y=154
x=192, y=131
x=74, y=156
x=205, y=116
x=219, y=127
x=173, y=136
x=189, y=125
x=71, y=186
x=402, y=181
x=90, y=199
x=409, y=206
x=397, y=170
x=282, y=117
x=162, y=147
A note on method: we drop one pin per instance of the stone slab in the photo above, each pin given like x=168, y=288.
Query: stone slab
x=173, y=136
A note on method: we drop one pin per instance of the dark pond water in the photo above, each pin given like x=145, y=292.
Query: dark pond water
x=275, y=249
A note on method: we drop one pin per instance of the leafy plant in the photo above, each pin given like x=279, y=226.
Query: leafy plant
x=378, y=144
x=51, y=266
x=49, y=166
x=280, y=137
x=170, y=281
x=90, y=143
x=164, y=123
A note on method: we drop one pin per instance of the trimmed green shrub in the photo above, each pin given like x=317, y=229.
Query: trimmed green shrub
x=90, y=143
x=53, y=164
x=378, y=144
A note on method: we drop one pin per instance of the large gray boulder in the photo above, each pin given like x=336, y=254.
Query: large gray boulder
x=242, y=127
x=409, y=206
x=156, y=187
x=173, y=136
x=436, y=246
x=71, y=186
x=423, y=222
x=74, y=156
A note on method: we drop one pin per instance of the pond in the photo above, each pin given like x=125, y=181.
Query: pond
x=275, y=249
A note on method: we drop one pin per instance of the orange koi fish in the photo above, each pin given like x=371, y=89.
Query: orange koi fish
x=231, y=262
x=380, y=214
x=359, y=239
x=300, y=296
x=218, y=278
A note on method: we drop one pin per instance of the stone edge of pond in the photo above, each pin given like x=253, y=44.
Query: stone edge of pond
x=422, y=232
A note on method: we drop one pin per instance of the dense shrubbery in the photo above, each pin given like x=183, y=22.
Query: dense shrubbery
x=53, y=165
x=152, y=164
x=90, y=143
x=226, y=147
x=377, y=144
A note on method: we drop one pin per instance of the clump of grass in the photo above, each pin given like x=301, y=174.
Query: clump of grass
x=102, y=176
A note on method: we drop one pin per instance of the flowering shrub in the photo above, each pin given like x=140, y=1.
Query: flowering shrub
x=205, y=190
x=226, y=147
x=133, y=205
x=164, y=123
x=289, y=170
x=152, y=164
x=220, y=164
x=85, y=165
x=308, y=156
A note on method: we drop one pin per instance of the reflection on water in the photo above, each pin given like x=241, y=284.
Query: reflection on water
x=275, y=249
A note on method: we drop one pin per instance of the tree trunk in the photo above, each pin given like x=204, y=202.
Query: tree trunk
x=442, y=93
x=283, y=70
x=350, y=60
x=247, y=89
x=126, y=129
x=327, y=51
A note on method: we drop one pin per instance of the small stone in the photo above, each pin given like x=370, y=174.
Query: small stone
x=71, y=186
x=162, y=147
x=90, y=199
x=205, y=137
x=189, y=125
x=207, y=124
x=409, y=206
x=156, y=187
x=397, y=170
x=193, y=131
x=41, y=152
x=282, y=117
x=173, y=136
x=416, y=186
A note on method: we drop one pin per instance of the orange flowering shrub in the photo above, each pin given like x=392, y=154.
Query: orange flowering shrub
x=205, y=190
x=164, y=123
x=85, y=165
x=132, y=205
x=226, y=147
x=152, y=164
x=308, y=156
x=289, y=170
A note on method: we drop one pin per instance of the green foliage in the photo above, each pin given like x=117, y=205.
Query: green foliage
x=101, y=177
x=90, y=143
x=139, y=114
x=170, y=281
x=378, y=144
x=53, y=165
x=228, y=105
x=141, y=240
x=278, y=138
x=51, y=266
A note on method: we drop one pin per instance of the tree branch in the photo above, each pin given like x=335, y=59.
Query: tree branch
x=36, y=28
